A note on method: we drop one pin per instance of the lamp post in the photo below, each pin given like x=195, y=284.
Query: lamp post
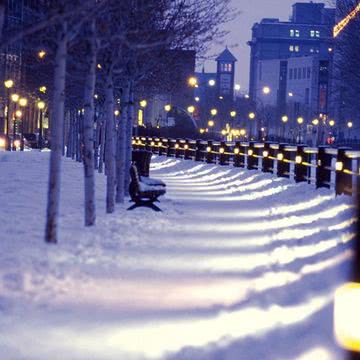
x=41, y=107
x=18, y=114
x=252, y=117
x=23, y=103
x=300, y=121
x=8, y=85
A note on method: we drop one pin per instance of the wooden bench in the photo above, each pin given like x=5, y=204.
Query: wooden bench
x=144, y=191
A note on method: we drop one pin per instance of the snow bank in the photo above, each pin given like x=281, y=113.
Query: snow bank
x=239, y=265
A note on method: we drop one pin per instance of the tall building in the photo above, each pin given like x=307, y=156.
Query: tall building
x=291, y=64
x=309, y=32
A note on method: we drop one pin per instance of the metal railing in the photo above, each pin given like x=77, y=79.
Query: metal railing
x=323, y=166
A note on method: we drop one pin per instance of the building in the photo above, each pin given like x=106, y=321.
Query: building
x=290, y=67
x=214, y=93
x=308, y=32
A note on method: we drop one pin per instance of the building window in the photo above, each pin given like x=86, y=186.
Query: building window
x=317, y=33
x=226, y=67
x=291, y=48
x=299, y=73
x=297, y=33
x=308, y=72
x=292, y=32
x=307, y=96
x=297, y=48
x=304, y=73
x=291, y=74
x=295, y=73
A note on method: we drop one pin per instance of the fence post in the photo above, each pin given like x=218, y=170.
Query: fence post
x=223, y=156
x=198, y=151
x=238, y=159
x=343, y=181
x=168, y=150
x=301, y=170
x=267, y=162
x=252, y=161
x=209, y=154
x=160, y=146
x=323, y=172
x=283, y=167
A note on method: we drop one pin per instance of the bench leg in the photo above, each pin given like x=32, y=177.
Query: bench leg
x=148, y=204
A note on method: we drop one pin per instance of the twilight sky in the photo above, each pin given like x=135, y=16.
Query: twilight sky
x=240, y=31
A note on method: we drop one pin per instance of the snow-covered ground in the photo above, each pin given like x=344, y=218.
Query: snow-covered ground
x=239, y=265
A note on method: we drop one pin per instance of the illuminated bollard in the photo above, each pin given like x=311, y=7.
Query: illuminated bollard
x=323, y=171
x=301, y=171
x=343, y=180
x=252, y=160
x=267, y=161
x=283, y=166
x=223, y=154
x=209, y=153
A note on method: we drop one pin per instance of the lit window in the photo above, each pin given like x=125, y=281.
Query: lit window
x=297, y=33
x=291, y=48
x=297, y=48
x=311, y=50
x=295, y=73
x=312, y=33
x=292, y=32
x=317, y=33
x=290, y=74
x=308, y=72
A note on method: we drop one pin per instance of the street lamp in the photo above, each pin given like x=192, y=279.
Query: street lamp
x=8, y=85
x=43, y=89
x=331, y=123
x=192, y=81
x=41, y=106
x=233, y=114
x=191, y=109
x=18, y=115
x=23, y=102
x=15, y=98
x=212, y=82
x=300, y=120
x=211, y=123
x=41, y=54
x=167, y=107
x=349, y=124
x=284, y=119
x=213, y=112
x=266, y=90
x=315, y=122
x=143, y=103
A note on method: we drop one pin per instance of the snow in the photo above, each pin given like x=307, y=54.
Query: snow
x=239, y=265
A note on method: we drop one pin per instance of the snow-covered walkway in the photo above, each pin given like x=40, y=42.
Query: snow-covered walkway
x=239, y=265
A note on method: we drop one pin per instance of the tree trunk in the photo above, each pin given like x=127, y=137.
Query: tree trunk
x=109, y=145
x=121, y=148
x=88, y=133
x=56, y=137
x=102, y=145
x=129, y=127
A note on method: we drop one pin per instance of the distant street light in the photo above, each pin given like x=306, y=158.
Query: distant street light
x=167, y=107
x=315, y=122
x=237, y=87
x=211, y=123
x=15, y=97
x=213, y=112
x=212, y=82
x=192, y=81
x=284, y=119
x=42, y=89
x=143, y=103
x=233, y=113
x=8, y=85
x=41, y=106
x=252, y=116
x=266, y=90
x=41, y=54
x=18, y=113
x=331, y=123
x=116, y=112
x=300, y=120
x=191, y=109
x=23, y=102
x=349, y=124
